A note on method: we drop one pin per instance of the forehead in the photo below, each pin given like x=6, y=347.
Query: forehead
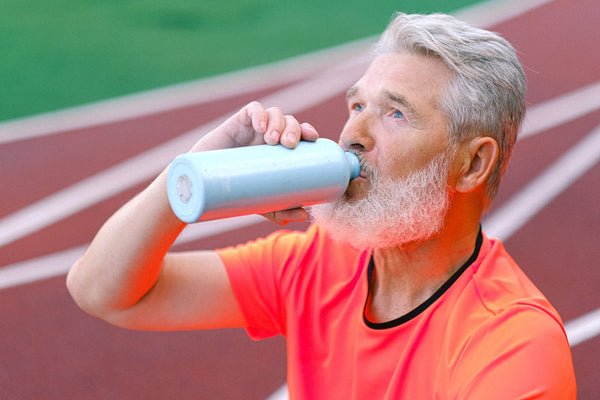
x=416, y=77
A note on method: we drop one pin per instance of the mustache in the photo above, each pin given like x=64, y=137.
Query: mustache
x=370, y=171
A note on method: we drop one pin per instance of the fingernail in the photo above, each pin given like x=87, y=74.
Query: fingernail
x=291, y=137
x=274, y=136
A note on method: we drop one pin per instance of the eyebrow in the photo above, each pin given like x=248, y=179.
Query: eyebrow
x=351, y=92
x=399, y=99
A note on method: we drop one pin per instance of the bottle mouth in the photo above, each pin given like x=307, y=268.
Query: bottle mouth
x=354, y=164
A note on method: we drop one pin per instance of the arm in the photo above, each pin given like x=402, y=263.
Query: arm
x=128, y=278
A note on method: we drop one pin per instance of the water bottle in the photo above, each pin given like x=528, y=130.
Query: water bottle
x=257, y=179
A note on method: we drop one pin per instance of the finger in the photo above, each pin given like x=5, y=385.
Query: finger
x=258, y=116
x=292, y=132
x=284, y=217
x=275, y=125
x=308, y=132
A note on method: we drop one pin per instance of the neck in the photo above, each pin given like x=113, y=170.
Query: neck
x=404, y=277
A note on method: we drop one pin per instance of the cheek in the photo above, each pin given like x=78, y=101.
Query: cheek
x=393, y=160
x=403, y=163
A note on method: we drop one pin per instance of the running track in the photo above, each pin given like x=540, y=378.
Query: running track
x=67, y=172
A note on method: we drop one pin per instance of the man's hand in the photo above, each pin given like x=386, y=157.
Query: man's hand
x=253, y=125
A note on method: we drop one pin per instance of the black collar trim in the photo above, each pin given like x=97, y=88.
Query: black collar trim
x=412, y=314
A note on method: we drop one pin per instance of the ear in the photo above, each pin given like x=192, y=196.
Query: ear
x=479, y=155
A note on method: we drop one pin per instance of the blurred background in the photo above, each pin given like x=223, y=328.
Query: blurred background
x=59, y=53
x=158, y=74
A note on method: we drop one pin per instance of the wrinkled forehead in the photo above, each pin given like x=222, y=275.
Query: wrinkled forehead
x=409, y=79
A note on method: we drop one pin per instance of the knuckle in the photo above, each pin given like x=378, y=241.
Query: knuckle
x=254, y=104
x=274, y=110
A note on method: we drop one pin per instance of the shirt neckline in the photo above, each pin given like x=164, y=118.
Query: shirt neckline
x=423, y=306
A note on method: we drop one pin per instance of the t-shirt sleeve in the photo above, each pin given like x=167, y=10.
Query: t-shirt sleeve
x=258, y=272
x=520, y=354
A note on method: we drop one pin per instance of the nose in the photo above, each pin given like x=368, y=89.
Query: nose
x=356, y=135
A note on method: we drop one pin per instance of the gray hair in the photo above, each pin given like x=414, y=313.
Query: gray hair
x=487, y=94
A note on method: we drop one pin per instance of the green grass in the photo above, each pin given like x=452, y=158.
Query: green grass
x=59, y=53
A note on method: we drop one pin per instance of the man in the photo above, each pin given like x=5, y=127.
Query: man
x=394, y=292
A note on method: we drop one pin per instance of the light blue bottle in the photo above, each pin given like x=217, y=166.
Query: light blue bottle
x=257, y=179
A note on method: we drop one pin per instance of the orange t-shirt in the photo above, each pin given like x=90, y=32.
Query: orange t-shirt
x=488, y=333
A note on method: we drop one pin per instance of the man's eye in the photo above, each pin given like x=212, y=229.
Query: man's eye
x=398, y=114
x=357, y=107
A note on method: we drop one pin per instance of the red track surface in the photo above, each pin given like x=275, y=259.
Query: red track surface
x=49, y=349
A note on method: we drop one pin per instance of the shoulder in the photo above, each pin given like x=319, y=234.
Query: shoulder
x=500, y=284
x=289, y=256
x=523, y=347
x=499, y=296
x=510, y=333
x=288, y=245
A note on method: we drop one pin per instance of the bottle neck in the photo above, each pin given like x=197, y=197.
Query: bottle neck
x=354, y=164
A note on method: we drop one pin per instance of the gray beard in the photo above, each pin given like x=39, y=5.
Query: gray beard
x=394, y=212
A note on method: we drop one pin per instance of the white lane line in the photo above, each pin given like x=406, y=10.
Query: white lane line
x=583, y=328
x=279, y=394
x=180, y=95
x=561, y=109
x=148, y=164
x=222, y=86
x=58, y=263
x=515, y=213
x=37, y=269
x=492, y=12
